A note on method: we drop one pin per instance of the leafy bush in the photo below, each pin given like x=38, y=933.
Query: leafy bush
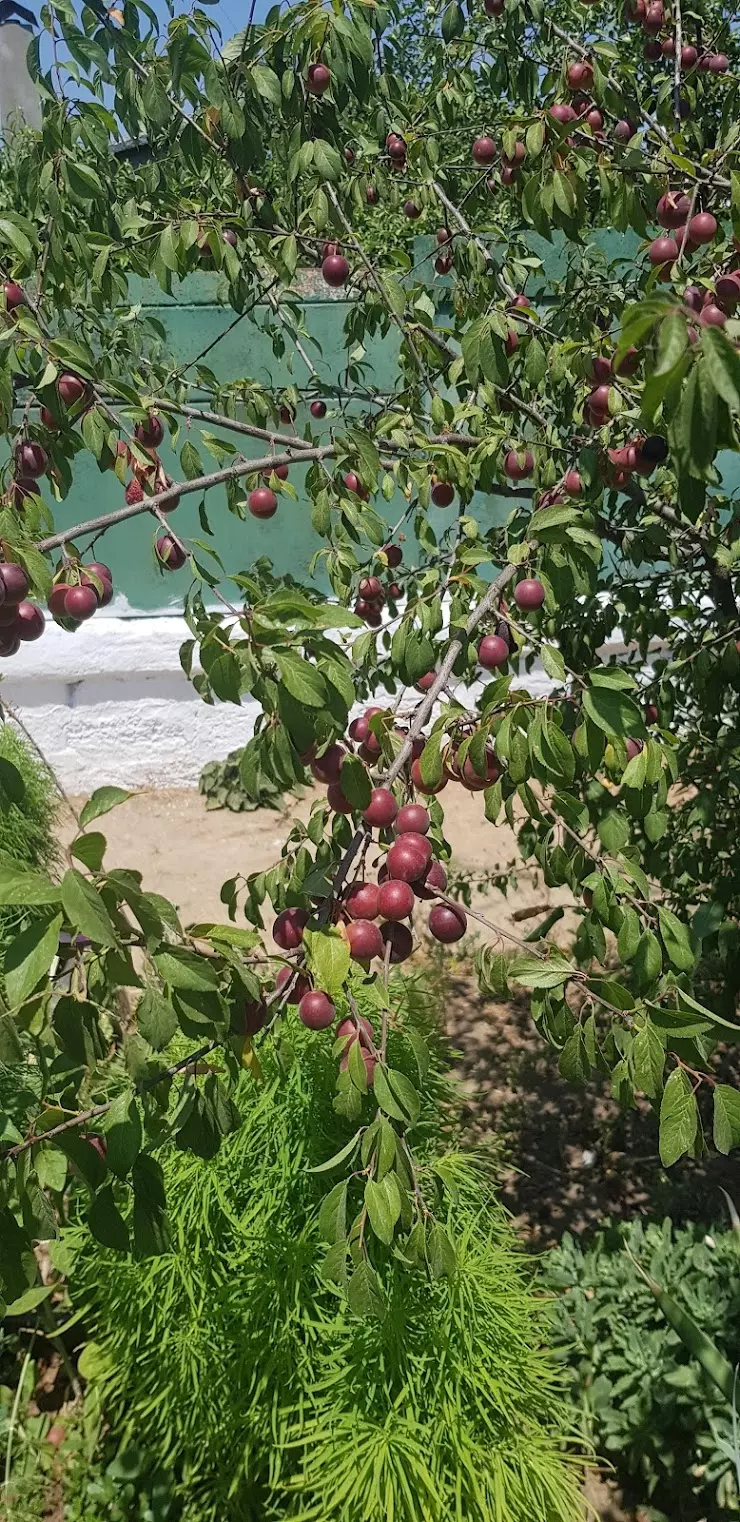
x=235, y=1358
x=648, y=1405
x=224, y=786
x=28, y=811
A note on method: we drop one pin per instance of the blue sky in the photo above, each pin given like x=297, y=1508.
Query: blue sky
x=230, y=15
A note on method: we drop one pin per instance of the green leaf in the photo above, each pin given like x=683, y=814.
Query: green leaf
x=679, y=1118
x=90, y=850
x=405, y=1094
x=151, y=1234
x=676, y=940
x=574, y=1064
x=11, y=782
x=266, y=83
x=386, y=1098
x=726, y=1118
x=101, y=802
x=364, y=1293
x=648, y=1058
x=333, y=1214
x=614, y=831
x=648, y=959
x=29, y=957
x=85, y=909
x=536, y=972
x=156, y=1019
x=553, y=662
x=184, y=969
x=535, y=362
x=339, y=1157
x=20, y=887
x=327, y=958
x=430, y=760
x=355, y=782
x=302, y=680
x=106, y=1222
x=123, y=1133
x=440, y=1253
x=613, y=712
x=724, y=360
x=453, y=21
x=673, y=340
x=30, y=1300
x=383, y=1208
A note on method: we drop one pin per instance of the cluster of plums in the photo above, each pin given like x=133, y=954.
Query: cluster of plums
x=408, y=873
x=650, y=15
x=20, y=621
x=683, y=233
x=372, y=593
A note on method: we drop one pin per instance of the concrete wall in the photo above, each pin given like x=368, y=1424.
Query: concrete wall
x=19, y=98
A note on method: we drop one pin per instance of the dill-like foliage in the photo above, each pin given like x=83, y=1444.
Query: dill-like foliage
x=234, y=1365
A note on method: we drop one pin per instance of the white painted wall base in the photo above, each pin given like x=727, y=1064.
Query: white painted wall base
x=111, y=704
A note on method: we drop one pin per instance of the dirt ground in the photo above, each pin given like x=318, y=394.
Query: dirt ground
x=569, y=1159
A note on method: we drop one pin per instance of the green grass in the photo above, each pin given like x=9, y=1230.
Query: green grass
x=235, y=1366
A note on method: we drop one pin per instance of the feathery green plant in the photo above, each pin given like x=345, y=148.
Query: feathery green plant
x=241, y=1368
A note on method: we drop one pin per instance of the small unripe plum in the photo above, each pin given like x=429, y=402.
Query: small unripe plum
x=443, y=235
x=484, y=150
x=287, y=931
x=580, y=75
x=689, y=56
x=529, y=594
x=371, y=589
x=406, y=862
x=349, y=155
x=254, y=1016
x=361, y=901
x=31, y=459
x=394, y=592
x=326, y=768
x=262, y=502
x=633, y=749
x=428, y=788
x=426, y=682
x=411, y=210
x=413, y=819
x=393, y=554
x=727, y=289
x=472, y=780
x=395, y=147
x=395, y=899
x=443, y=493
x=318, y=409
x=432, y=883
x=348, y=1031
x=15, y=295
x=337, y=801
x=443, y=264
x=572, y=483
x=663, y=251
x=353, y=484
x=371, y=747
x=364, y=940
x=519, y=464
x=651, y=713
x=594, y=120
x=411, y=841
x=598, y=399
x=15, y=582
x=318, y=78
x=381, y=810
x=493, y=7
x=493, y=651
x=151, y=433
x=71, y=388
x=673, y=209
x=55, y=600
x=447, y=923
x=508, y=174
x=629, y=364
x=169, y=554
x=624, y=131
x=29, y=622
x=371, y=195
x=80, y=603
x=712, y=316
x=9, y=644
x=335, y=270
x=718, y=63
x=654, y=16
x=655, y=448
x=562, y=114
x=400, y=940
x=300, y=984
x=316, y=1010
x=668, y=47
x=702, y=227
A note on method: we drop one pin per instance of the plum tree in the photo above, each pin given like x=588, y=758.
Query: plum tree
x=598, y=411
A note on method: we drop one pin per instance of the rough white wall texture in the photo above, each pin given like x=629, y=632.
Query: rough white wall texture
x=111, y=704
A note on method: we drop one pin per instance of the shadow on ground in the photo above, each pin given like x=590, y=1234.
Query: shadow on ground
x=571, y=1159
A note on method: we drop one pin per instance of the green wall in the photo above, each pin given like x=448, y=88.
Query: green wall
x=193, y=318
